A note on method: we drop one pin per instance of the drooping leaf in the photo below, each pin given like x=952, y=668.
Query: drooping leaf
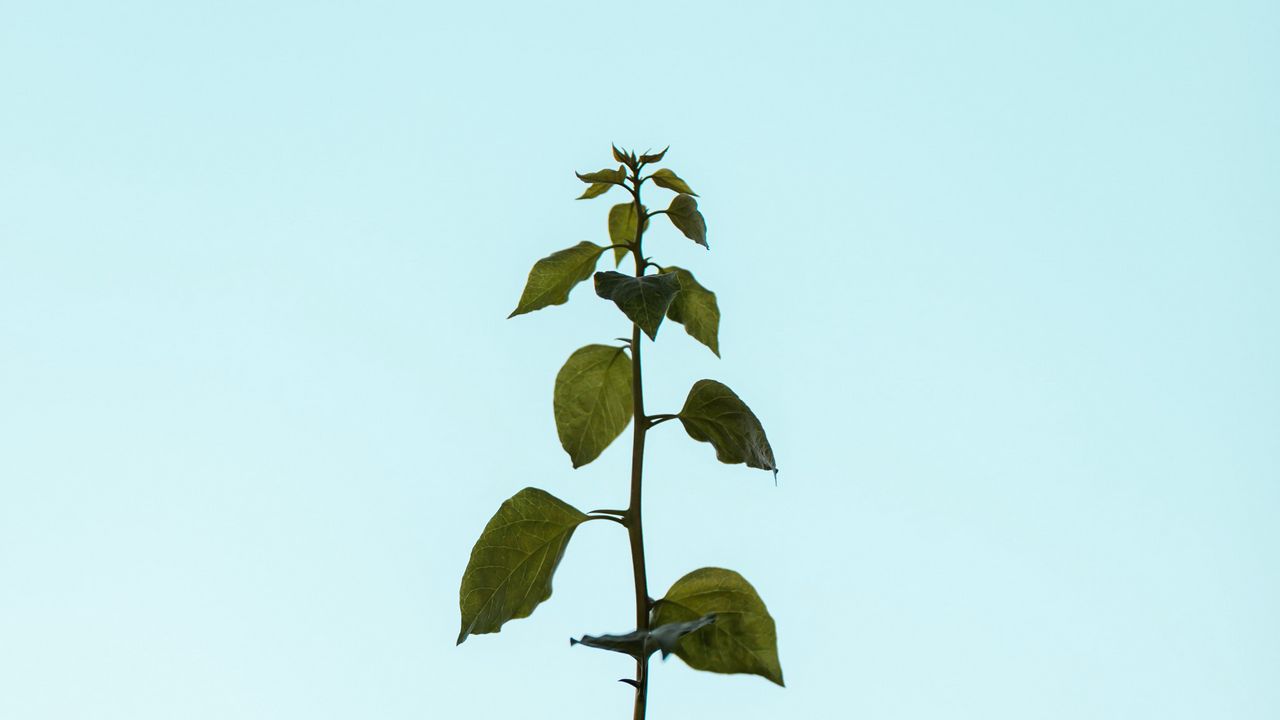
x=643, y=643
x=666, y=179
x=695, y=307
x=512, y=563
x=622, y=228
x=643, y=299
x=684, y=214
x=595, y=190
x=655, y=157
x=555, y=275
x=713, y=413
x=592, y=401
x=604, y=176
x=742, y=640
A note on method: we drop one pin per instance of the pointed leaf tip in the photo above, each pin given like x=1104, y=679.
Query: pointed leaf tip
x=643, y=643
x=607, y=175
x=555, y=275
x=714, y=414
x=655, y=157
x=509, y=573
x=595, y=190
x=642, y=299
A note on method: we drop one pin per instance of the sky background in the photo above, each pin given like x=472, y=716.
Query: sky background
x=1000, y=279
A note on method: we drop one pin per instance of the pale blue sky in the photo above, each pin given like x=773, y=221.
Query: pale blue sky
x=999, y=278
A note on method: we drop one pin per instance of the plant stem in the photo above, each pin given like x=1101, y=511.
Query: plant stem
x=635, y=529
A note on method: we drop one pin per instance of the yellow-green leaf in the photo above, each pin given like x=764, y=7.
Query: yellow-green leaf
x=669, y=180
x=595, y=190
x=604, y=176
x=511, y=565
x=592, y=401
x=655, y=157
x=622, y=229
x=555, y=275
x=743, y=638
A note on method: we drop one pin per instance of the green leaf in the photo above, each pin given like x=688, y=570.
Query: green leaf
x=622, y=228
x=684, y=214
x=643, y=643
x=624, y=157
x=592, y=401
x=595, y=190
x=555, y=275
x=695, y=307
x=604, y=176
x=512, y=563
x=743, y=638
x=666, y=179
x=713, y=413
x=656, y=157
x=643, y=299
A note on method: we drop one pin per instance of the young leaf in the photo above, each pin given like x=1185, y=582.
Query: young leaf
x=656, y=157
x=695, y=308
x=595, y=190
x=592, y=401
x=622, y=228
x=713, y=413
x=742, y=640
x=512, y=563
x=684, y=214
x=624, y=157
x=555, y=275
x=642, y=643
x=664, y=178
x=643, y=299
x=603, y=176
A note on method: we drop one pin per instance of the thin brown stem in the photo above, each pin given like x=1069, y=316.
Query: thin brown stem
x=635, y=528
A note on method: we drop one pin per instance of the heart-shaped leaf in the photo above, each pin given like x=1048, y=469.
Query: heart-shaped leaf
x=643, y=643
x=512, y=563
x=713, y=413
x=669, y=180
x=695, y=307
x=592, y=401
x=743, y=638
x=555, y=275
x=643, y=299
x=622, y=229
x=604, y=176
x=683, y=213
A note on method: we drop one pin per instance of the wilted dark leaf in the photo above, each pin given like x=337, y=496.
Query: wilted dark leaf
x=643, y=299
